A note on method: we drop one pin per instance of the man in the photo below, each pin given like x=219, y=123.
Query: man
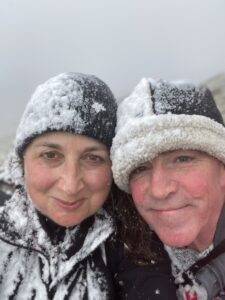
x=169, y=153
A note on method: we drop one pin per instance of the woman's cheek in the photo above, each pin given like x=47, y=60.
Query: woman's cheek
x=99, y=178
x=39, y=178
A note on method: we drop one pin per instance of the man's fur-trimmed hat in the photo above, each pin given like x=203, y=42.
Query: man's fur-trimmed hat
x=161, y=116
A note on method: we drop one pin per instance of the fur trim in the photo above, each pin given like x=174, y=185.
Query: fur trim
x=142, y=139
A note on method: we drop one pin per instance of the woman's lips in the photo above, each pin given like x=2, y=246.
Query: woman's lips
x=68, y=204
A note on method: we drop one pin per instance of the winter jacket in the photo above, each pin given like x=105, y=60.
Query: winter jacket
x=134, y=282
x=34, y=265
x=201, y=276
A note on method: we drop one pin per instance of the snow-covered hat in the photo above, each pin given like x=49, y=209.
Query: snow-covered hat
x=70, y=102
x=160, y=116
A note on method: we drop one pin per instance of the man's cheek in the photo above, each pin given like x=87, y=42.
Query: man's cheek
x=137, y=194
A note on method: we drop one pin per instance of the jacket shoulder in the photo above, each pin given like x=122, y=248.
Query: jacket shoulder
x=153, y=281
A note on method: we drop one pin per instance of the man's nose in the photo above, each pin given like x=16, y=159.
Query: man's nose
x=162, y=184
x=71, y=179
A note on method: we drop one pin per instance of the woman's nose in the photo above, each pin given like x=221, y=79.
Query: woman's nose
x=70, y=180
x=161, y=183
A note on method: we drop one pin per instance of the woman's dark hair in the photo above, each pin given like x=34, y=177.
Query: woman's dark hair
x=140, y=242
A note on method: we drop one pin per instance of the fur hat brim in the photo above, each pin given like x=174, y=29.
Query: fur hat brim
x=143, y=139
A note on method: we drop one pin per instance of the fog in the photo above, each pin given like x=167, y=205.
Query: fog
x=120, y=41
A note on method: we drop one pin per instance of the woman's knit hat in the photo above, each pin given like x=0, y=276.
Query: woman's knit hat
x=160, y=116
x=69, y=102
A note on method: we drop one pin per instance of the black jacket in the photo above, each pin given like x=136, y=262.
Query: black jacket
x=133, y=282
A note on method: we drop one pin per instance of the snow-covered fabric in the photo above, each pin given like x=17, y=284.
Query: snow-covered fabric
x=71, y=102
x=190, y=286
x=181, y=260
x=160, y=116
x=32, y=267
x=212, y=275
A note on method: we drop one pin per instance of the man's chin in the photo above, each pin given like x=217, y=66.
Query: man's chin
x=175, y=240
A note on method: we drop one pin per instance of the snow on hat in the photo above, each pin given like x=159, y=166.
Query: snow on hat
x=70, y=102
x=161, y=116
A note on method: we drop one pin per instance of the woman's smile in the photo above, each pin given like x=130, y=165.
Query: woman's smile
x=68, y=204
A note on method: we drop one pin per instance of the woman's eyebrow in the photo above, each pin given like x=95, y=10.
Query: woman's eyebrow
x=95, y=148
x=58, y=146
x=48, y=144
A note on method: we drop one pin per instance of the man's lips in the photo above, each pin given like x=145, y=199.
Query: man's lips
x=68, y=204
x=168, y=209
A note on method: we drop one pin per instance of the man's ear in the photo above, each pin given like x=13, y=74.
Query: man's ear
x=222, y=175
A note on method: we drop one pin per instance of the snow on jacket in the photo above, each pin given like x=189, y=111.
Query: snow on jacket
x=189, y=287
x=32, y=267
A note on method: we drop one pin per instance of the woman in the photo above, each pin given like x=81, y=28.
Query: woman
x=53, y=229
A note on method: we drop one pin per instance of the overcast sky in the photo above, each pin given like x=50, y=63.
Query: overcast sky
x=119, y=40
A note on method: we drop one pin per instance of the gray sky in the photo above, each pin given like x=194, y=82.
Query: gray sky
x=119, y=40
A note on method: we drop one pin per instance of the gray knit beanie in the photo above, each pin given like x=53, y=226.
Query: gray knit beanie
x=69, y=102
x=160, y=116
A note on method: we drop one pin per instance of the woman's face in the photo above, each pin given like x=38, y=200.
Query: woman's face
x=67, y=176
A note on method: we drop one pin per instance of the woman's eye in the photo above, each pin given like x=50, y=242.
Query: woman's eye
x=94, y=158
x=51, y=155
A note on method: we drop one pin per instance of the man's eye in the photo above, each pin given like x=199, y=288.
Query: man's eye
x=184, y=158
x=139, y=170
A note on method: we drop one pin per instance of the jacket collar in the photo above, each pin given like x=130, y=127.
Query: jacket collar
x=20, y=225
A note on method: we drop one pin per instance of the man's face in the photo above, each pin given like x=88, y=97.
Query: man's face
x=180, y=194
